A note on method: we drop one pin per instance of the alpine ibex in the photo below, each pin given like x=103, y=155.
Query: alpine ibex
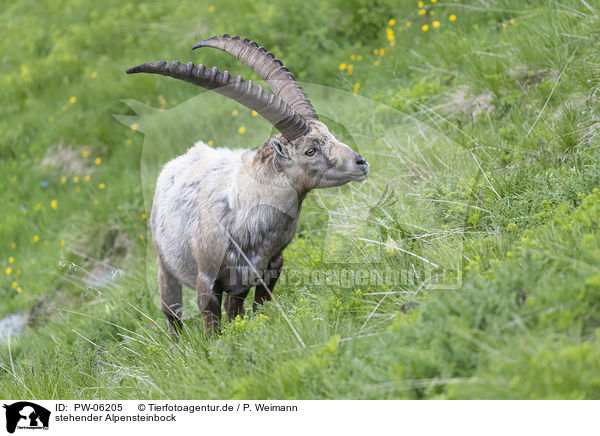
x=222, y=217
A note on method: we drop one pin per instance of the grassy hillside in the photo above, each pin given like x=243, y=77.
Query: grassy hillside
x=481, y=124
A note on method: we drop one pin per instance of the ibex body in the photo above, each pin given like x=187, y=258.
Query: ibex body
x=221, y=218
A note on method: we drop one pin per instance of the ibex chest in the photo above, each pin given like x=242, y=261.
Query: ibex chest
x=261, y=233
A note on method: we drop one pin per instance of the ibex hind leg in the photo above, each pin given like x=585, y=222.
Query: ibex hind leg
x=261, y=294
x=170, y=297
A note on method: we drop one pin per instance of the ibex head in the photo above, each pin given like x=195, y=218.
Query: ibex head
x=305, y=151
x=317, y=159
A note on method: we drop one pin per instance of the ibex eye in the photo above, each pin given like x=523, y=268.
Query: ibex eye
x=311, y=152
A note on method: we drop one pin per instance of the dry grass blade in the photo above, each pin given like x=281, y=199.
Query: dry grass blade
x=551, y=92
x=89, y=340
x=101, y=320
x=455, y=202
x=373, y=312
x=590, y=8
x=13, y=372
x=410, y=253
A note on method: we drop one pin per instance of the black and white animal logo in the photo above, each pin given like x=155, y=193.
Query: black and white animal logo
x=24, y=414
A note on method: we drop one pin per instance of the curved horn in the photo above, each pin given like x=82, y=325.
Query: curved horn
x=251, y=95
x=268, y=67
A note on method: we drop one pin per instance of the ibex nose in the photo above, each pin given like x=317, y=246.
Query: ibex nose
x=360, y=160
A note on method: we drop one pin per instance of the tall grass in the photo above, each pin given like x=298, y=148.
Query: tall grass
x=482, y=136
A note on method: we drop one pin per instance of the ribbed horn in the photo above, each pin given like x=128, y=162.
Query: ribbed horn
x=268, y=67
x=251, y=95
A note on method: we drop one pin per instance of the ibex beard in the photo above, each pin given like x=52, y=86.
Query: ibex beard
x=220, y=214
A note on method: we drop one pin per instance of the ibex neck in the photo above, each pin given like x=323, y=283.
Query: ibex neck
x=262, y=182
x=265, y=167
x=269, y=168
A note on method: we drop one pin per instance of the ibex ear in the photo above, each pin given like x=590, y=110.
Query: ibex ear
x=279, y=148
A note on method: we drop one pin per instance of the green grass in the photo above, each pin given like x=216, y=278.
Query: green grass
x=483, y=138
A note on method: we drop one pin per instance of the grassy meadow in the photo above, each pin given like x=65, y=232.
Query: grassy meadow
x=480, y=121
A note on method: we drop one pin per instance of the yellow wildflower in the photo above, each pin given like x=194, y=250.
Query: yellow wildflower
x=420, y=4
x=8, y=271
x=504, y=25
x=98, y=161
x=210, y=142
x=86, y=178
x=13, y=245
x=392, y=22
x=254, y=113
x=77, y=189
x=436, y=24
x=143, y=216
x=375, y=51
x=352, y=57
x=15, y=284
x=19, y=290
x=422, y=11
x=408, y=24
x=350, y=69
x=377, y=63
x=242, y=130
x=63, y=243
x=234, y=112
x=134, y=127
x=37, y=207
x=342, y=66
x=424, y=27
x=35, y=238
x=63, y=179
x=85, y=153
x=128, y=141
x=101, y=186
x=452, y=17
x=359, y=58
x=211, y=9
x=11, y=259
x=75, y=179
x=54, y=204
x=73, y=99
x=433, y=1
x=94, y=75
x=512, y=21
